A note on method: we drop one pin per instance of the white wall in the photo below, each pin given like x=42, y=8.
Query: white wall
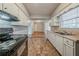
x=20, y=29
x=47, y=25
x=38, y=25
x=30, y=29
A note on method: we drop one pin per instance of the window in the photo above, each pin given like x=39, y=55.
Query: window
x=70, y=19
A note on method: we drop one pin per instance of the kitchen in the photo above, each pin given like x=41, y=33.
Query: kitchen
x=39, y=29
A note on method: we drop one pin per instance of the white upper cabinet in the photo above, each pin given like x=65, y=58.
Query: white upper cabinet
x=0, y=6
x=11, y=8
x=68, y=47
x=78, y=12
x=17, y=10
x=23, y=19
x=23, y=8
x=55, y=21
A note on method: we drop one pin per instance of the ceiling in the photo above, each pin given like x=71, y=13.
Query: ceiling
x=40, y=10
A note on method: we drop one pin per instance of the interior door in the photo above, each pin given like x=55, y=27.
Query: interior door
x=39, y=26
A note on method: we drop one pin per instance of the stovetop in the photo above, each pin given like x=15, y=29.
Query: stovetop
x=9, y=45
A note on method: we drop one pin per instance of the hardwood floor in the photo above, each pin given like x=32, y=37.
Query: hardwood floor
x=39, y=46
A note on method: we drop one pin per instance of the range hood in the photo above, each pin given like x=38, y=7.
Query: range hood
x=7, y=17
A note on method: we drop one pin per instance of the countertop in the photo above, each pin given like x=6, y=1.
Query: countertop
x=18, y=40
x=73, y=37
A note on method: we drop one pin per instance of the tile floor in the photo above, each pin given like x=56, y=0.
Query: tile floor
x=39, y=46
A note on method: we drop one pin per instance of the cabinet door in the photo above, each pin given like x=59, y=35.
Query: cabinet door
x=11, y=8
x=55, y=21
x=59, y=44
x=22, y=17
x=68, y=50
x=50, y=37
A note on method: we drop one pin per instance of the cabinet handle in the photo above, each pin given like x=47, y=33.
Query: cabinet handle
x=67, y=41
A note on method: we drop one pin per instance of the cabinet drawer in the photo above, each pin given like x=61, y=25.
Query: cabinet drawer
x=69, y=42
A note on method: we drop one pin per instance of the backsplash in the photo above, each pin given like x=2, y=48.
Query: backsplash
x=55, y=28
x=71, y=31
x=5, y=24
x=20, y=29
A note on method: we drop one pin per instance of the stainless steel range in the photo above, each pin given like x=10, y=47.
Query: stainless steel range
x=5, y=34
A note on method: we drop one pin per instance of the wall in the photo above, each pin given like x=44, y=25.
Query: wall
x=30, y=29
x=39, y=26
x=20, y=29
x=47, y=25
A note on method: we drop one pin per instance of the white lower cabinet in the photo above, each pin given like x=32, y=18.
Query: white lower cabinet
x=68, y=50
x=68, y=47
x=59, y=43
x=63, y=45
x=51, y=37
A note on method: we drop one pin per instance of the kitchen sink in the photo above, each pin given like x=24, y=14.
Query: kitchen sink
x=64, y=33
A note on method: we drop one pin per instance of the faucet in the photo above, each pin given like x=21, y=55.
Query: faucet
x=70, y=33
